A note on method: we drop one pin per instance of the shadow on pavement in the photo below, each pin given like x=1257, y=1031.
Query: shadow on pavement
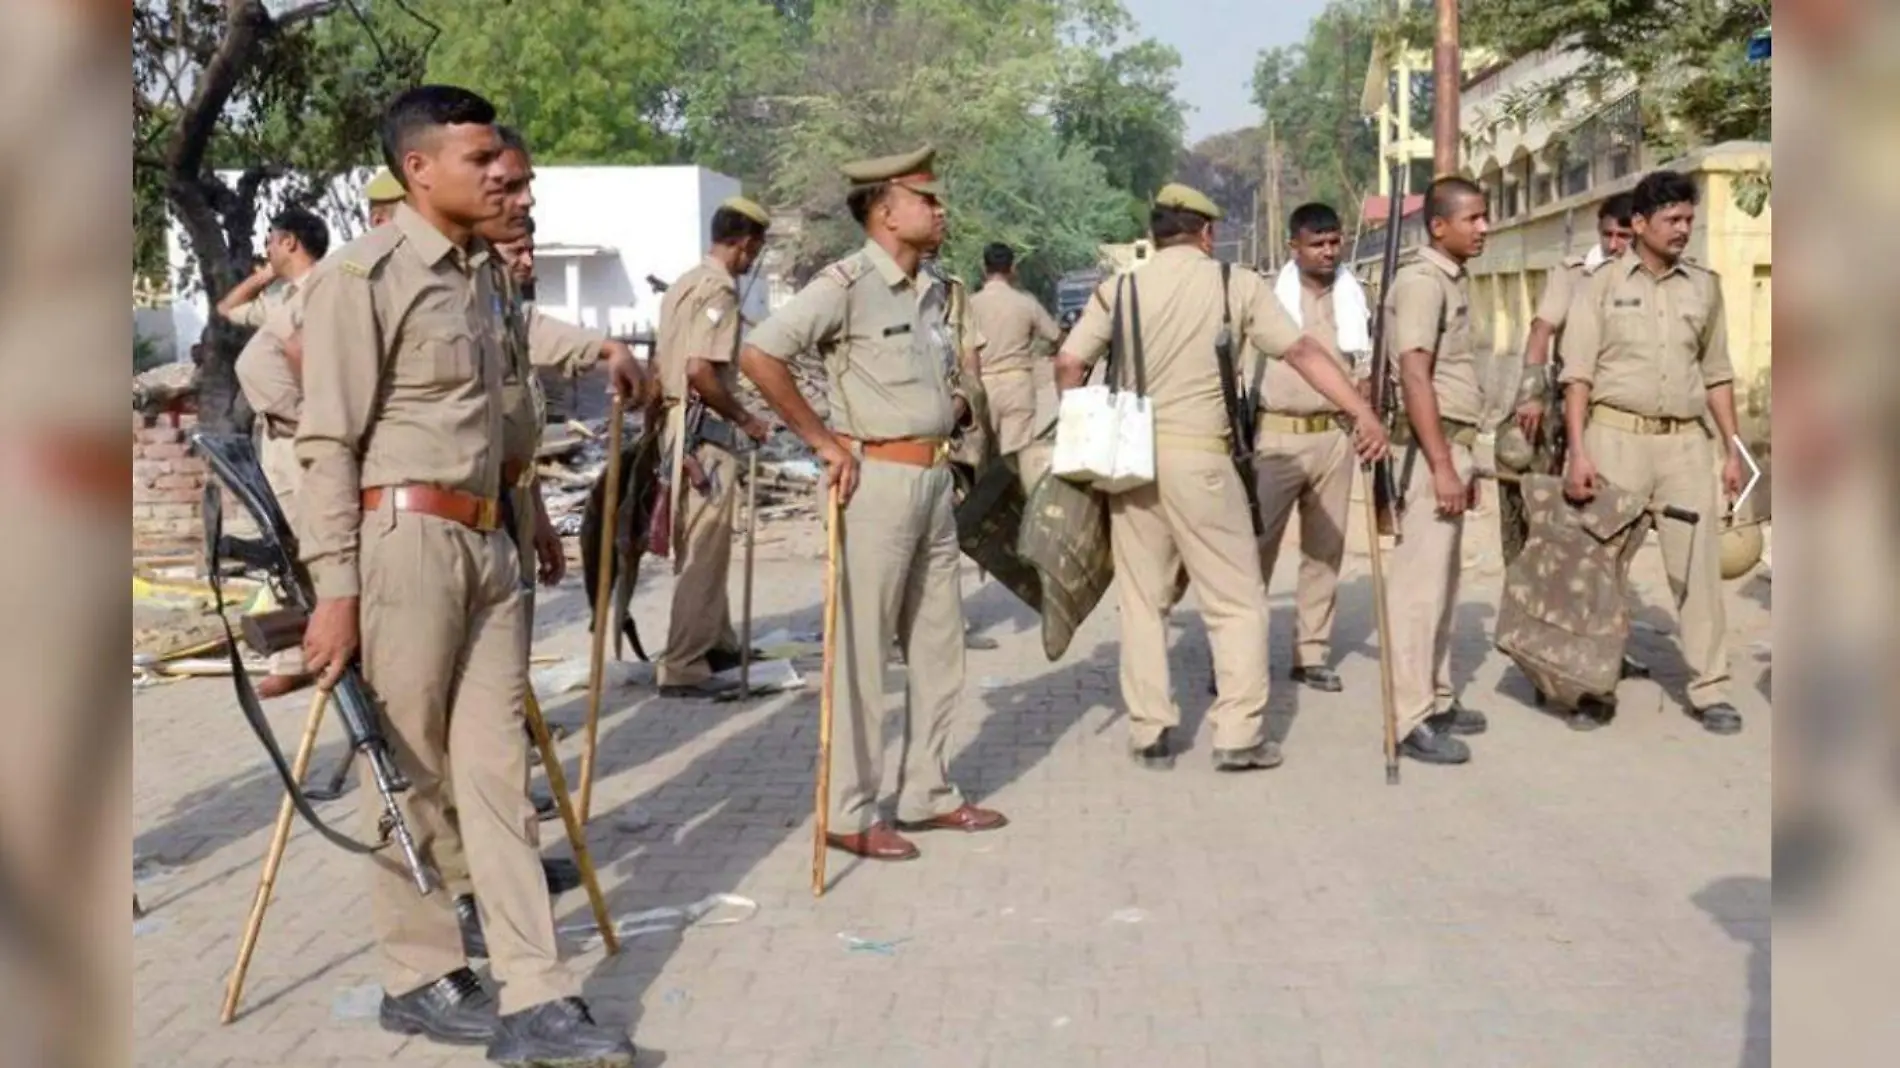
x=1740, y=905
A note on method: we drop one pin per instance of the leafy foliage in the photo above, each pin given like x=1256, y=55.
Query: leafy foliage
x=1311, y=93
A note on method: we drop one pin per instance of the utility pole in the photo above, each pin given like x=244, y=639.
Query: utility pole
x=1445, y=79
x=1271, y=171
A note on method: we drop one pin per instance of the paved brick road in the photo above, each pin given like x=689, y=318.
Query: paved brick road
x=1565, y=900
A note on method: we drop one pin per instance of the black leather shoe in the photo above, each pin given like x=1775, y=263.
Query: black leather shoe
x=1157, y=755
x=562, y=875
x=1634, y=668
x=1458, y=720
x=544, y=808
x=729, y=660
x=453, y=1010
x=1323, y=679
x=559, y=1034
x=1720, y=719
x=474, y=943
x=1427, y=746
x=1265, y=755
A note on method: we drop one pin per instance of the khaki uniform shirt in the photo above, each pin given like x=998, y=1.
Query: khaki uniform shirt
x=404, y=361
x=253, y=313
x=1282, y=390
x=1650, y=345
x=1011, y=321
x=699, y=319
x=1554, y=306
x=271, y=388
x=1429, y=308
x=1180, y=297
x=533, y=340
x=890, y=367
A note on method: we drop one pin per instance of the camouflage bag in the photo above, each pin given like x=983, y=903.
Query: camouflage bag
x=989, y=515
x=1065, y=536
x=1563, y=618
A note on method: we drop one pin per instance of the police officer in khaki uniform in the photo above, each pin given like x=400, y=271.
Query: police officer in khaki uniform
x=697, y=358
x=401, y=445
x=896, y=401
x=1195, y=512
x=1428, y=324
x=297, y=240
x=1646, y=361
x=383, y=192
x=1535, y=384
x=1016, y=327
x=531, y=340
x=1302, y=450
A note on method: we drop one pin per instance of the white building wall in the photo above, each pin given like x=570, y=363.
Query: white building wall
x=637, y=221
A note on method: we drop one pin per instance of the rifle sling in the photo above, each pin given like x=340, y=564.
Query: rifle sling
x=247, y=694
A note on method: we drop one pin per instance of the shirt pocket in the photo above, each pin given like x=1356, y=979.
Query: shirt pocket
x=1628, y=325
x=443, y=354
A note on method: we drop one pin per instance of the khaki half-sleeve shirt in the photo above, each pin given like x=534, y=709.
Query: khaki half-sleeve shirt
x=403, y=367
x=1429, y=309
x=1011, y=322
x=699, y=319
x=1179, y=292
x=264, y=373
x=1559, y=291
x=1284, y=390
x=254, y=312
x=1647, y=344
x=890, y=368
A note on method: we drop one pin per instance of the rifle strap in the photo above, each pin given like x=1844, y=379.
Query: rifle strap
x=1411, y=446
x=253, y=710
x=1224, y=354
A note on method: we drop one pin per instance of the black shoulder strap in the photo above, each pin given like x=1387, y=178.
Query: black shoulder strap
x=1117, y=340
x=1134, y=329
x=1224, y=354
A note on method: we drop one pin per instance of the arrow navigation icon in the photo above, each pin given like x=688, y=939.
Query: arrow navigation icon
x=1753, y=479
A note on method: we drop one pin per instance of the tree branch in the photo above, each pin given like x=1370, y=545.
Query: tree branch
x=310, y=12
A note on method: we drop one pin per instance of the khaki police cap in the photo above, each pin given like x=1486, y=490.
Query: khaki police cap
x=748, y=209
x=383, y=188
x=1176, y=195
x=910, y=170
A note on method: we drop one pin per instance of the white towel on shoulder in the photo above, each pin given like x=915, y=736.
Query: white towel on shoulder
x=1595, y=257
x=1349, y=309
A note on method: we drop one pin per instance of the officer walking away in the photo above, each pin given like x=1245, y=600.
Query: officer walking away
x=1015, y=327
x=1536, y=384
x=1428, y=319
x=1645, y=363
x=298, y=239
x=699, y=370
x=896, y=401
x=1195, y=512
x=1303, y=454
x=401, y=444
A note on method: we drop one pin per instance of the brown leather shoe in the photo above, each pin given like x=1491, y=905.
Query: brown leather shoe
x=877, y=843
x=279, y=685
x=968, y=818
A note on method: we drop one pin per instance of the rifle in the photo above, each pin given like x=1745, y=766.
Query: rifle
x=1386, y=494
x=1240, y=423
x=233, y=459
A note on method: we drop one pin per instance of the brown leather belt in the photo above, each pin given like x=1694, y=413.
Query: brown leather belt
x=1641, y=424
x=1457, y=433
x=913, y=452
x=1281, y=423
x=476, y=513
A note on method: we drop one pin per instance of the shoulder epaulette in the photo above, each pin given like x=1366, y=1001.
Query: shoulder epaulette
x=1592, y=268
x=362, y=256
x=1576, y=261
x=847, y=271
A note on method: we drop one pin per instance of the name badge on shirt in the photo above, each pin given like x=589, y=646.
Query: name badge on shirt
x=900, y=328
x=1626, y=302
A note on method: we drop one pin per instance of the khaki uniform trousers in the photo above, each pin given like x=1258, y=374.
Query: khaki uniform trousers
x=1012, y=397
x=445, y=648
x=897, y=580
x=1195, y=515
x=1422, y=593
x=1313, y=472
x=1678, y=469
x=702, y=558
x=278, y=457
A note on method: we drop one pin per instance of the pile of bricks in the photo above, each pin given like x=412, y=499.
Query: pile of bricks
x=167, y=486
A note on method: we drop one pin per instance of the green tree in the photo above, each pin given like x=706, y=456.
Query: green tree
x=1310, y=92
x=291, y=98
x=1121, y=104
